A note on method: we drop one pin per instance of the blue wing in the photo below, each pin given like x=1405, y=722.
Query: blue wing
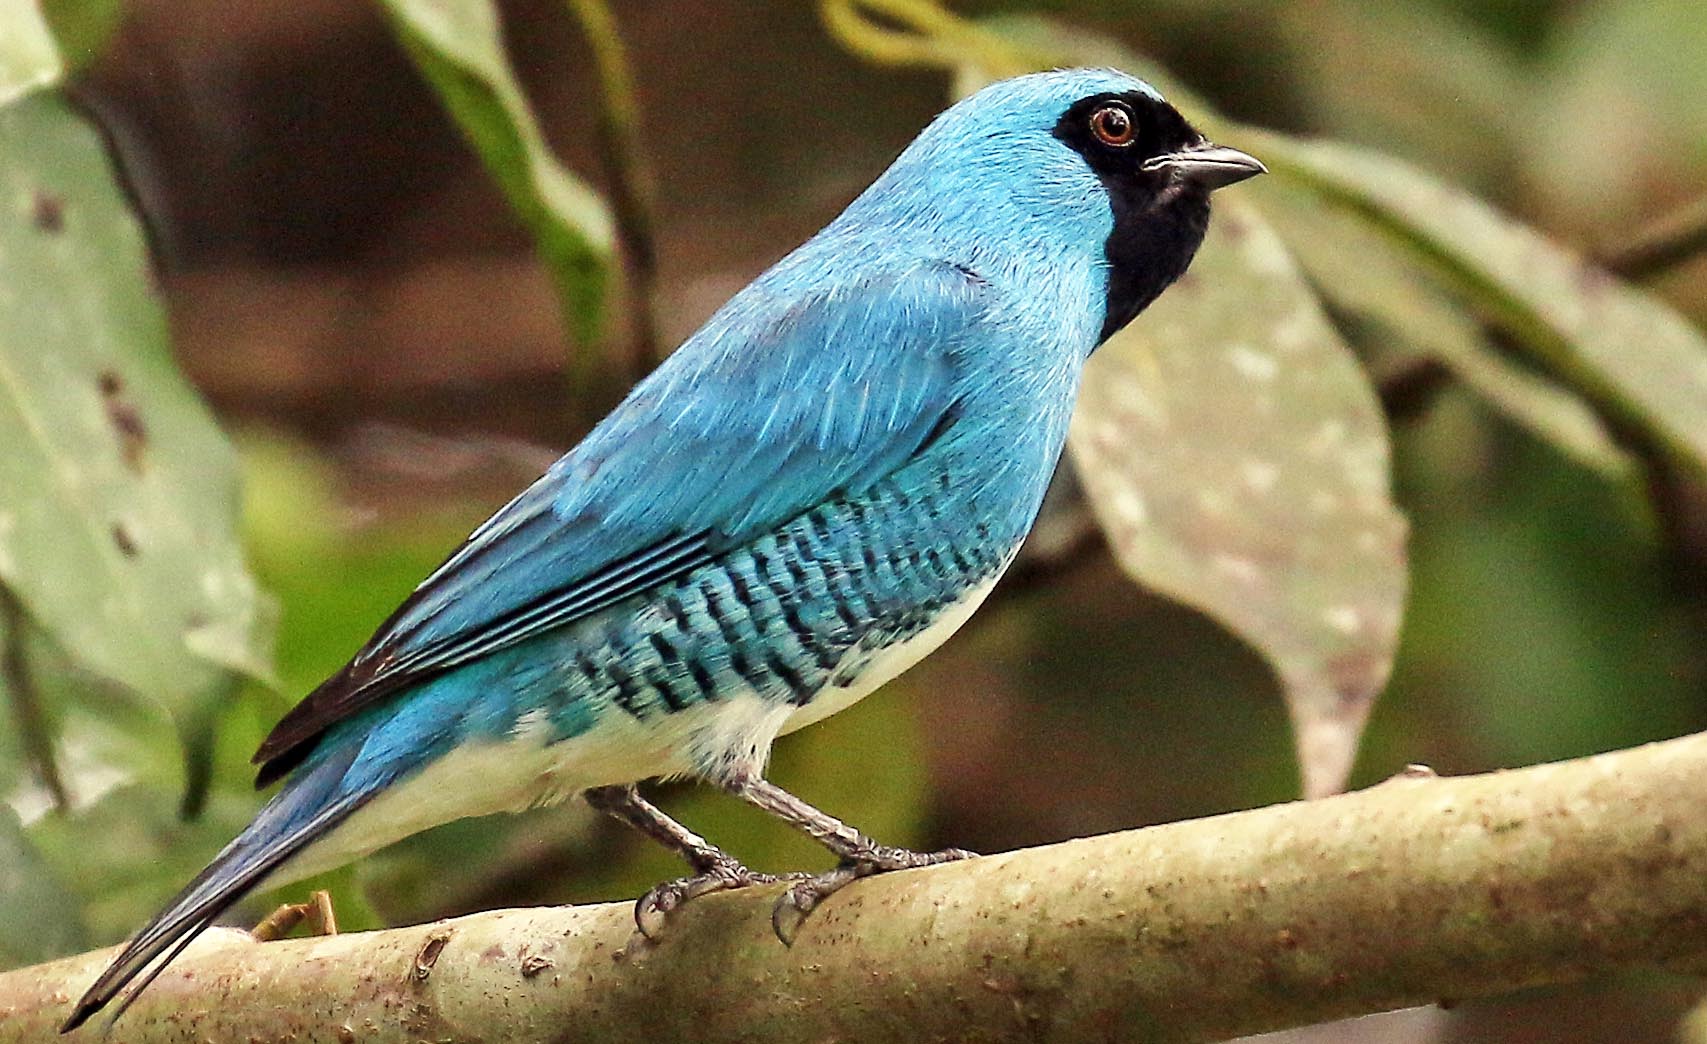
x=781, y=402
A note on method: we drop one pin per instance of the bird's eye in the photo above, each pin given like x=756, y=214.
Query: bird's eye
x=1113, y=125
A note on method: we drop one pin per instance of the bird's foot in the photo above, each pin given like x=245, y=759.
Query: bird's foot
x=723, y=874
x=807, y=892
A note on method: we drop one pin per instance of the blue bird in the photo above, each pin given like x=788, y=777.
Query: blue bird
x=807, y=497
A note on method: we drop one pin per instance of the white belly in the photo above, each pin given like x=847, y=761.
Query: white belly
x=524, y=771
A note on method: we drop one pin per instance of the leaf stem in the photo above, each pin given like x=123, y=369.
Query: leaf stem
x=929, y=36
x=33, y=726
x=630, y=176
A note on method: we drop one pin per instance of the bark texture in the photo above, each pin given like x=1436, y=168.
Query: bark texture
x=1416, y=890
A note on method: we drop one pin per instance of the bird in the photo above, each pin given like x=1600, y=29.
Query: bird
x=809, y=495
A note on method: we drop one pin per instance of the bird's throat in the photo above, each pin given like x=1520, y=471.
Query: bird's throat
x=1150, y=246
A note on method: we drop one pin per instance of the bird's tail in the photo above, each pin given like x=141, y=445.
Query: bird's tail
x=308, y=807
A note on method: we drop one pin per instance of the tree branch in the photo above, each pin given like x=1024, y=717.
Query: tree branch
x=630, y=178
x=1416, y=890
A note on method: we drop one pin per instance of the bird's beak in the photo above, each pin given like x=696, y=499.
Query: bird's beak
x=1209, y=165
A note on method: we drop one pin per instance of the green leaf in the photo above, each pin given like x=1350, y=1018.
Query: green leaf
x=118, y=496
x=1618, y=87
x=1233, y=451
x=101, y=736
x=39, y=917
x=29, y=58
x=458, y=46
x=1414, y=100
x=42, y=40
x=82, y=27
x=30, y=739
x=1635, y=357
x=123, y=765
x=124, y=854
x=1362, y=270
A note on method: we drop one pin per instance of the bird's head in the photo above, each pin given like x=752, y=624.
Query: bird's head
x=1075, y=161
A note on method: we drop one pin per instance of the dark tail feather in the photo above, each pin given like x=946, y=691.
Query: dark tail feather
x=85, y=1008
x=304, y=811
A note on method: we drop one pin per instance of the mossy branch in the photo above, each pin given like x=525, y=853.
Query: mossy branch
x=1414, y=891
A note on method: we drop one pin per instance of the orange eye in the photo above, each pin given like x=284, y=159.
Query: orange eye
x=1113, y=125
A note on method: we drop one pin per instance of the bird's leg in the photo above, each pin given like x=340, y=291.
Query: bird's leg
x=860, y=855
x=714, y=869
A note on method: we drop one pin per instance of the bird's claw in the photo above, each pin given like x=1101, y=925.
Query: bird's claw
x=803, y=895
x=652, y=910
x=808, y=891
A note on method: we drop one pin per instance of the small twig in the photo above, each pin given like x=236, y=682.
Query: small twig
x=280, y=922
x=921, y=33
x=325, y=919
x=1678, y=495
x=317, y=912
x=913, y=45
x=33, y=726
x=630, y=178
x=1662, y=246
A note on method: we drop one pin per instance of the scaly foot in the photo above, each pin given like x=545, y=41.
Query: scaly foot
x=722, y=874
x=806, y=893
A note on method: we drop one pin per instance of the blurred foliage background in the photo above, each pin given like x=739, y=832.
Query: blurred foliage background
x=404, y=279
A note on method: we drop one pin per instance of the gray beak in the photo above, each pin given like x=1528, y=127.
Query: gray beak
x=1212, y=166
